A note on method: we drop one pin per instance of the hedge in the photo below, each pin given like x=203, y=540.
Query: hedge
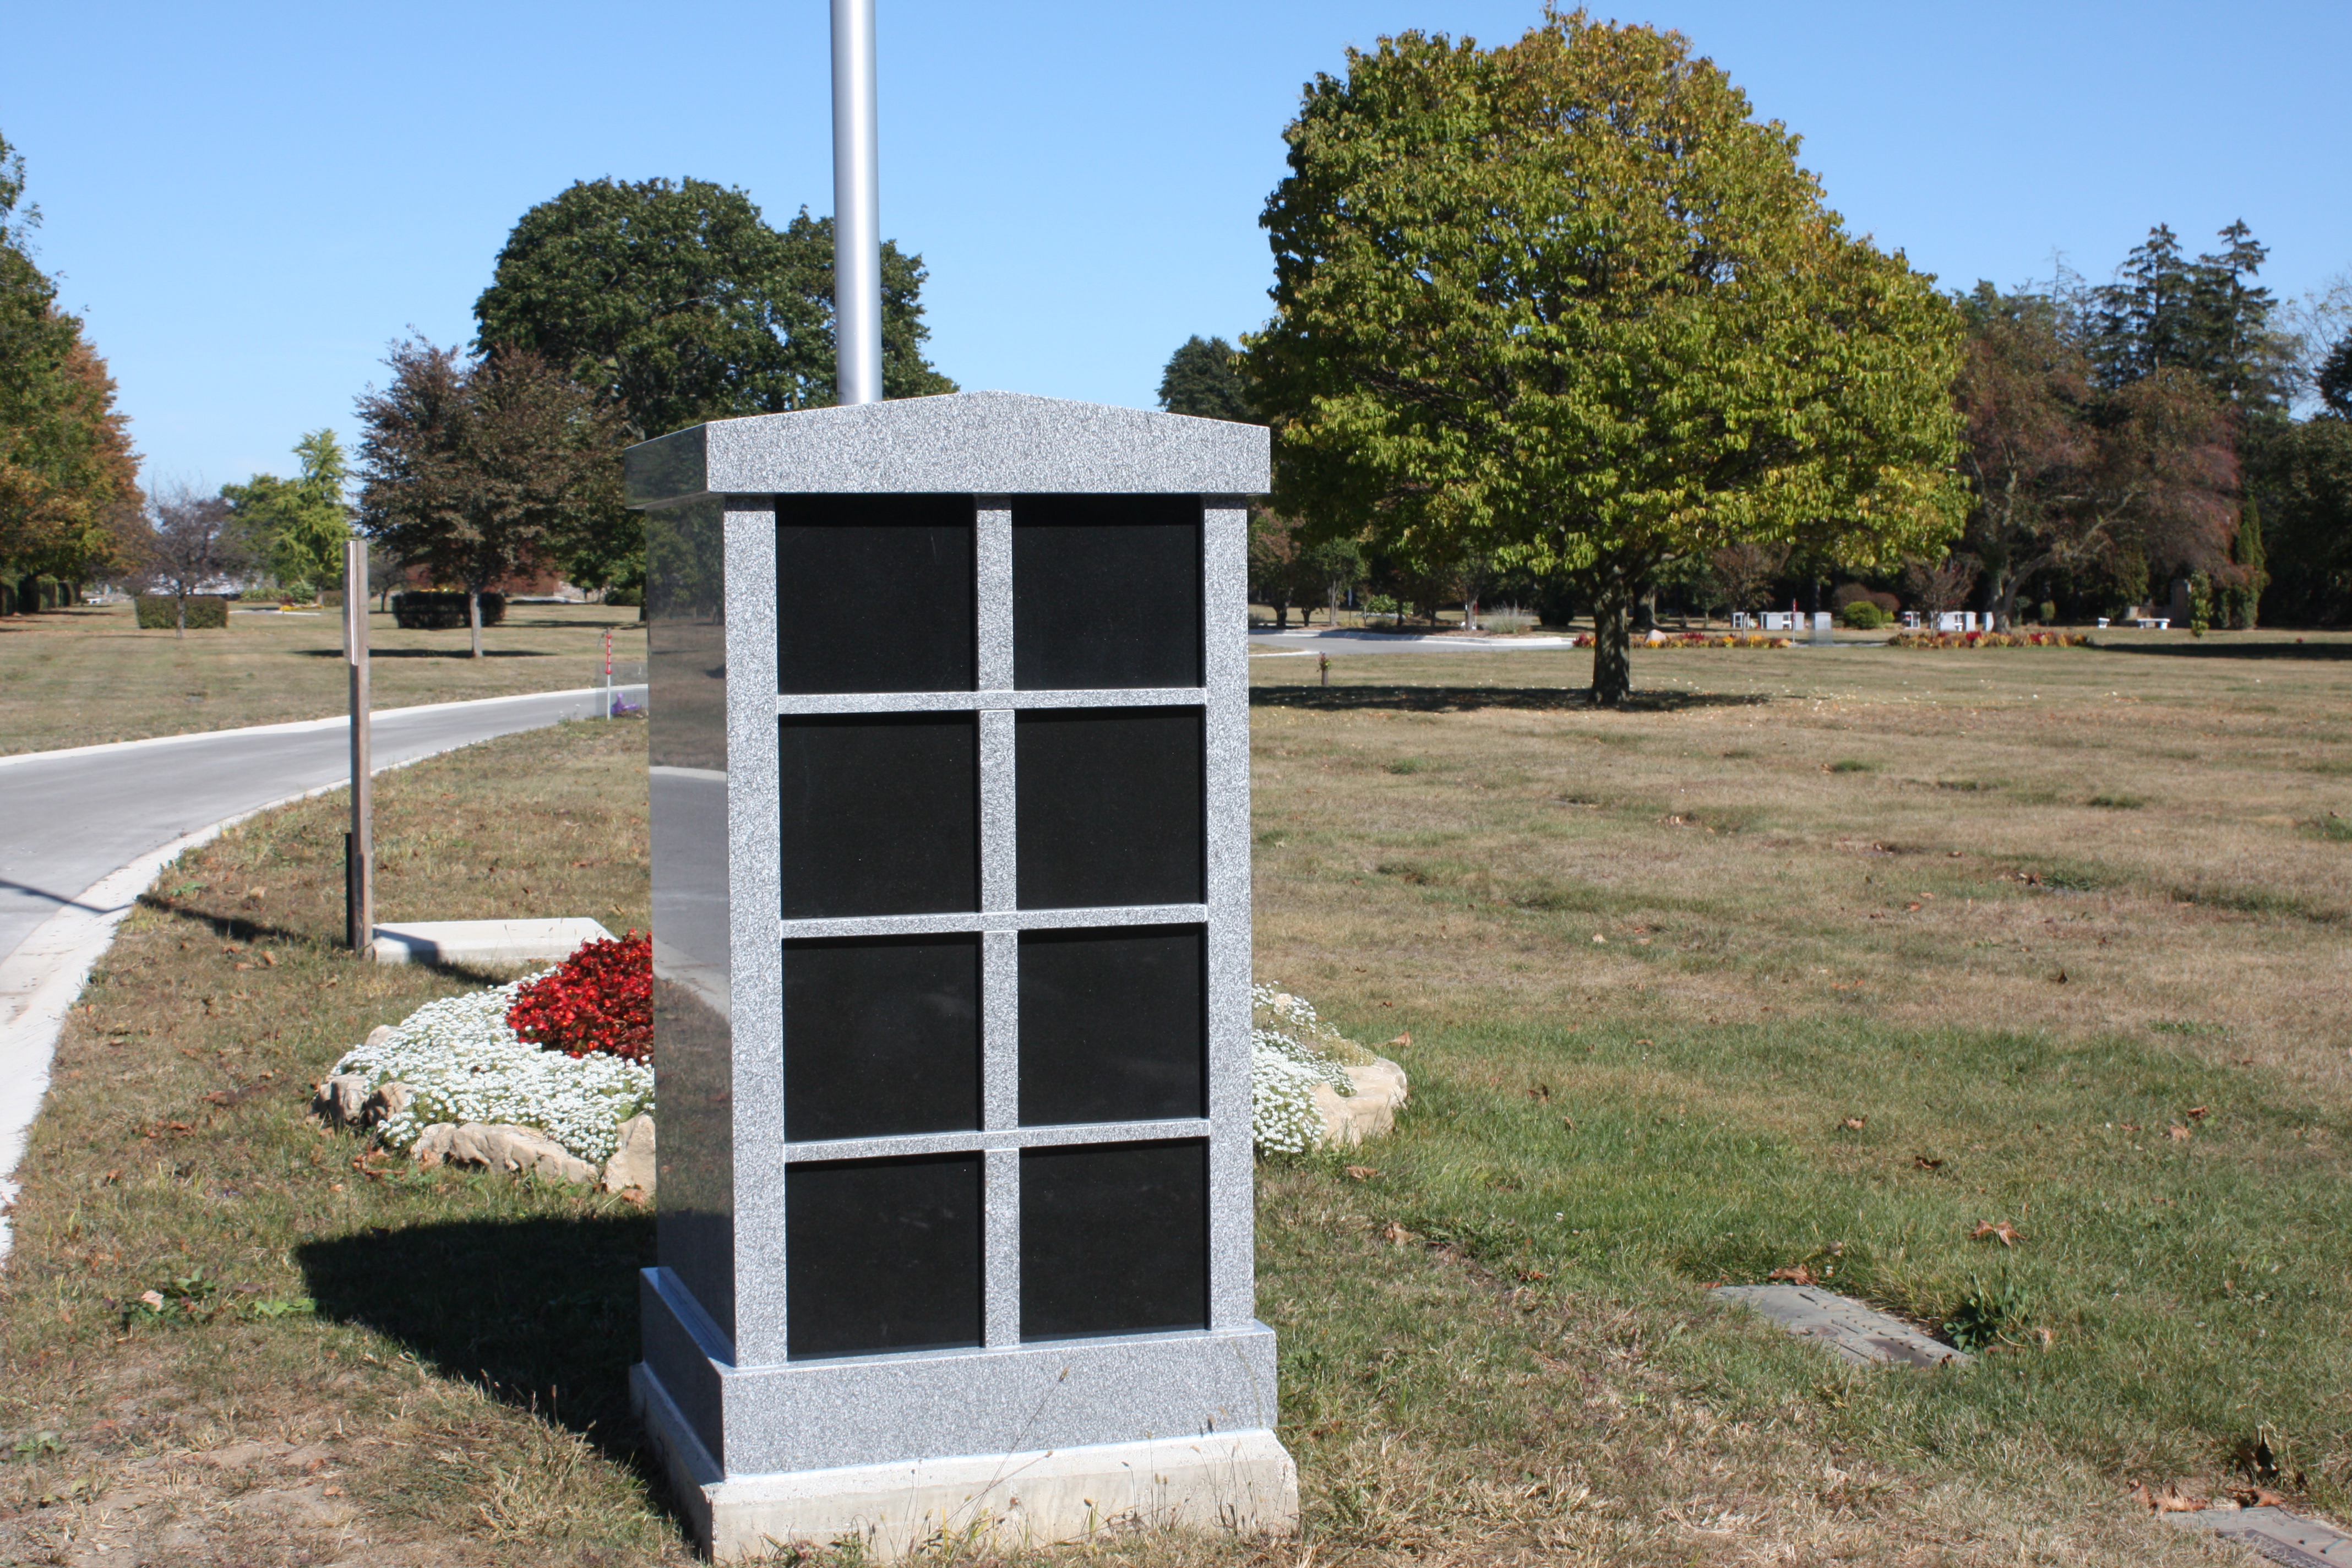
x=441, y=612
x=159, y=612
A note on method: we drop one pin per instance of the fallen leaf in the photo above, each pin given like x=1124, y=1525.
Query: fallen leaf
x=270, y=959
x=2047, y=1336
x=635, y=1197
x=1796, y=1274
x=1646, y=1042
x=1924, y=1164
x=2001, y=1231
x=2169, y=1500
x=244, y=966
x=2177, y=1134
x=153, y=1298
x=1361, y=1172
x=1910, y=908
x=1598, y=937
x=1394, y=1234
x=1403, y=1039
x=2256, y=1496
x=1856, y=1124
x=1541, y=1093
x=2197, y=1112
x=2130, y=1126
x=2059, y=978
x=1569, y=1122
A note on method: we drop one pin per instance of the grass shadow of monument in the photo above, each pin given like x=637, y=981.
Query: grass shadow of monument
x=538, y=1311
x=381, y=654
x=1470, y=698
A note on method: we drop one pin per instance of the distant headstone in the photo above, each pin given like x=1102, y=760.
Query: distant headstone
x=949, y=739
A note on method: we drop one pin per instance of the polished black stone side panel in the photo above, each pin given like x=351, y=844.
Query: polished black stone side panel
x=1114, y=1025
x=1109, y=807
x=881, y=814
x=1114, y=1238
x=1105, y=591
x=875, y=594
x=884, y=1254
x=881, y=1037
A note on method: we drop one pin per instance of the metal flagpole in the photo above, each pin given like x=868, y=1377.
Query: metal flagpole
x=856, y=206
x=359, y=848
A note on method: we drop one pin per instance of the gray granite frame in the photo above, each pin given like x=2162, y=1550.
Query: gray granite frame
x=752, y=1408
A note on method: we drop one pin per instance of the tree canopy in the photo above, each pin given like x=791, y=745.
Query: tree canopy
x=68, y=480
x=1202, y=379
x=297, y=527
x=676, y=303
x=478, y=470
x=1566, y=304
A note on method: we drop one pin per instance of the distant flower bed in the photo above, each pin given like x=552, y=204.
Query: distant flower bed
x=1989, y=639
x=463, y=1062
x=1698, y=639
x=1291, y=1051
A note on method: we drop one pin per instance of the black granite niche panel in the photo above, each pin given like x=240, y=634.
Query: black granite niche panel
x=881, y=1037
x=875, y=594
x=1105, y=591
x=882, y=1255
x=1114, y=1025
x=1108, y=806
x=1114, y=1238
x=881, y=814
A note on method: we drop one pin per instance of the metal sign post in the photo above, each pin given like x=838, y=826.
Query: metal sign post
x=856, y=207
x=359, y=852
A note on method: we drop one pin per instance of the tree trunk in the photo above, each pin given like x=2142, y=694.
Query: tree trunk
x=1332, y=593
x=1469, y=615
x=180, y=603
x=1281, y=617
x=473, y=618
x=1612, y=669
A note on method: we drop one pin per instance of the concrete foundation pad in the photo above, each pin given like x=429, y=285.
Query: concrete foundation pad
x=485, y=942
x=1843, y=1326
x=2281, y=1536
x=1236, y=1483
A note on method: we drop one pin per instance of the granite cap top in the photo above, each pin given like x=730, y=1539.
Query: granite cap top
x=980, y=443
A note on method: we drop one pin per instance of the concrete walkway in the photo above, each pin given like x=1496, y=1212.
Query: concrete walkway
x=84, y=831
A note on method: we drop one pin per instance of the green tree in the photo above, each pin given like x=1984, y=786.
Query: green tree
x=473, y=468
x=675, y=302
x=2205, y=317
x=297, y=527
x=68, y=480
x=1565, y=304
x=1203, y=379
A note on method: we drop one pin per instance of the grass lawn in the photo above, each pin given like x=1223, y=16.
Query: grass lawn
x=1819, y=957
x=86, y=676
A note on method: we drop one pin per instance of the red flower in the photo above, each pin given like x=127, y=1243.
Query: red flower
x=599, y=999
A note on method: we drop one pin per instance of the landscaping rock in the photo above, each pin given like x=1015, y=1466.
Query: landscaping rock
x=632, y=1165
x=378, y=1035
x=342, y=1101
x=1371, y=1111
x=388, y=1101
x=502, y=1148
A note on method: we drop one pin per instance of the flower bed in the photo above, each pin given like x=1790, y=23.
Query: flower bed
x=1989, y=639
x=1291, y=1051
x=1697, y=640
x=599, y=999
x=463, y=1062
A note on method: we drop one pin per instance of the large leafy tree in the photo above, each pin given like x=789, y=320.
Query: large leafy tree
x=1202, y=379
x=297, y=526
x=674, y=302
x=474, y=469
x=68, y=480
x=1566, y=305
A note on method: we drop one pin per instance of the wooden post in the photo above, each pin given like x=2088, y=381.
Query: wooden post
x=359, y=906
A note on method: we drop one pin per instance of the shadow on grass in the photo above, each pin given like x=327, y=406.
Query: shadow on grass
x=1469, y=699
x=242, y=926
x=541, y=1312
x=2222, y=648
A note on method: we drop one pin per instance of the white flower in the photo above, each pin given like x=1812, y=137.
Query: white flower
x=1291, y=1051
x=462, y=1063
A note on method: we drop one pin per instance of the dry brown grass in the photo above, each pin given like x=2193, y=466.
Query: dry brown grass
x=1464, y=1380
x=84, y=677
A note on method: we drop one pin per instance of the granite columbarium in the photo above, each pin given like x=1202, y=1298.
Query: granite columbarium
x=952, y=943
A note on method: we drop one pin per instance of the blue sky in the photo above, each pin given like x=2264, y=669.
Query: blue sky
x=248, y=201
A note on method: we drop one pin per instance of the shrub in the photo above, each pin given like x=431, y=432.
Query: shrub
x=443, y=612
x=1506, y=622
x=159, y=612
x=625, y=597
x=600, y=999
x=2046, y=612
x=1863, y=615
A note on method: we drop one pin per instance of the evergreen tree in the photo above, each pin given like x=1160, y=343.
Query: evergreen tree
x=297, y=527
x=1203, y=378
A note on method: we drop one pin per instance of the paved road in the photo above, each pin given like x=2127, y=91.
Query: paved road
x=67, y=818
